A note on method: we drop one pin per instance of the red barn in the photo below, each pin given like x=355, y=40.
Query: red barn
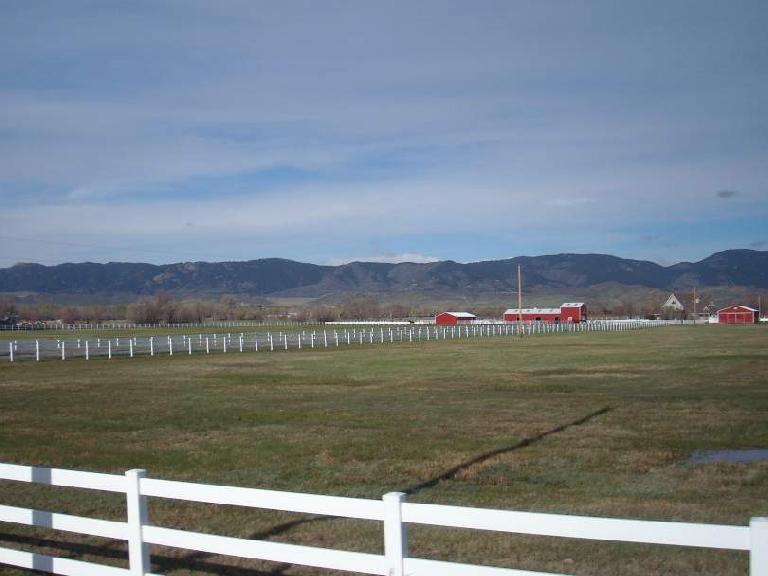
x=574, y=312
x=567, y=313
x=738, y=315
x=453, y=318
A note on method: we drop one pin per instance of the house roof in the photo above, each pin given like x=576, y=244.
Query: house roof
x=737, y=306
x=533, y=311
x=460, y=314
x=572, y=305
x=673, y=302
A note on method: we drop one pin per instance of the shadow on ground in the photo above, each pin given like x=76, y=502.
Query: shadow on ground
x=204, y=562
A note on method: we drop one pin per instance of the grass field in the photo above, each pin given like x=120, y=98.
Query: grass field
x=365, y=421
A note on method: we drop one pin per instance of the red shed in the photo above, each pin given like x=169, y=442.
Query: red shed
x=573, y=312
x=567, y=313
x=738, y=315
x=453, y=318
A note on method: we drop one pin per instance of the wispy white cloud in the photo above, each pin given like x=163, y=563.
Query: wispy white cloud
x=387, y=258
x=380, y=129
x=569, y=202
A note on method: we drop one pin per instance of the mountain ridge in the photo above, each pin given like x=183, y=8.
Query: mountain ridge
x=282, y=277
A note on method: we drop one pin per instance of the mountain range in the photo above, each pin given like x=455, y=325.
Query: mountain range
x=275, y=277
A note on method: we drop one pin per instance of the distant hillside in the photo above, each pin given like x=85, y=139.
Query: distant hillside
x=275, y=277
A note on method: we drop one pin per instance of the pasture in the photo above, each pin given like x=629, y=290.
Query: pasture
x=585, y=423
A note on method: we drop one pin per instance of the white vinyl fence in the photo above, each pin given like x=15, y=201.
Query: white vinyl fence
x=332, y=337
x=392, y=510
x=124, y=325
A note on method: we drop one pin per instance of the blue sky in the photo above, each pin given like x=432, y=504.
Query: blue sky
x=329, y=132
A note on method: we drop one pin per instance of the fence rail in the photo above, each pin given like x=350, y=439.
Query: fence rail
x=272, y=341
x=392, y=510
x=57, y=325
x=125, y=325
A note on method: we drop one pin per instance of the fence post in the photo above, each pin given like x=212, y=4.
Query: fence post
x=10, y=349
x=758, y=547
x=138, y=551
x=395, y=535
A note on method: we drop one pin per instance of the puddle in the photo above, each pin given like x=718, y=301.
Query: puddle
x=732, y=456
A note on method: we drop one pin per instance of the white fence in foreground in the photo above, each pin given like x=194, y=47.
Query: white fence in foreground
x=391, y=510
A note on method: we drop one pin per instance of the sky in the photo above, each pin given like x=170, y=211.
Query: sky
x=335, y=131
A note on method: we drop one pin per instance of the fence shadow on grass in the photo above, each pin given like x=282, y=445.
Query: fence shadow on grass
x=275, y=530
x=118, y=551
x=285, y=527
x=479, y=459
x=202, y=561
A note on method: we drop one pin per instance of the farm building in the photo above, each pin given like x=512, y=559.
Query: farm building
x=673, y=303
x=738, y=315
x=453, y=318
x=566, y=313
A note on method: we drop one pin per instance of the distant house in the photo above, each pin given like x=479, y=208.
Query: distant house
x=673, y=303
x=706, y=311
x=673, y=308
x=454, y=318
x=566, y=313
x=738, y=315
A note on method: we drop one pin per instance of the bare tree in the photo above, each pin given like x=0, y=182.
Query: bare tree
x=8, y=306
x=361, y=308
x=70, y=314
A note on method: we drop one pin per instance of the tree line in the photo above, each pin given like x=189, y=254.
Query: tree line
x=165, y=308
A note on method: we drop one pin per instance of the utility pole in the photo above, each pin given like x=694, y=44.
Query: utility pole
x=520, y=300
x=694, y=305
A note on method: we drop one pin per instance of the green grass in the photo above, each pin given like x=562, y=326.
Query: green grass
x=365, y=421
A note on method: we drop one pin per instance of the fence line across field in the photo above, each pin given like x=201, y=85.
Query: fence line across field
x=231, y=324
x=392, y=511
x=75, y=326
x=331, y=336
